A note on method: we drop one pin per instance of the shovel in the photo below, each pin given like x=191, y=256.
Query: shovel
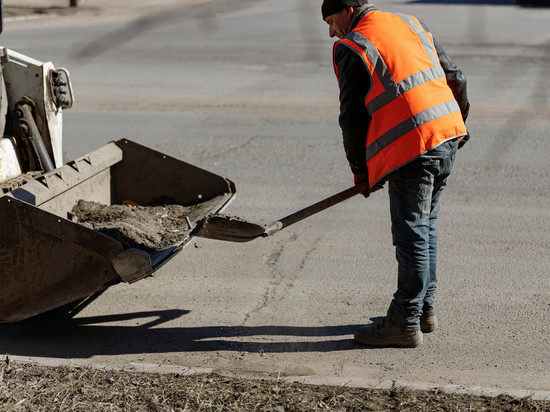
x=235, y=229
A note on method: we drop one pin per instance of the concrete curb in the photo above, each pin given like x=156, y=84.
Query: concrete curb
x=307, y=380
x=421, y=386
x=129, y=367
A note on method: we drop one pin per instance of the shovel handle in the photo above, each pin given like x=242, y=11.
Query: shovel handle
x=317, y=207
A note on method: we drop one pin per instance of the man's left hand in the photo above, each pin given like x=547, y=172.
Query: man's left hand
x=463, y=140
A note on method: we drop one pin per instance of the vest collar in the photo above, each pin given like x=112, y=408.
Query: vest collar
x=360, y=13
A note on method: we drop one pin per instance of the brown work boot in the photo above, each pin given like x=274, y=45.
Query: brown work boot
x=428, y=323
x=384, y=334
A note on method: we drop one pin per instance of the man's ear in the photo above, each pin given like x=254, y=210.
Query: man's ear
x=350, y=10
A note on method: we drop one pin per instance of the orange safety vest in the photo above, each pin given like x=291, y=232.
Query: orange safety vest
x=411, y=106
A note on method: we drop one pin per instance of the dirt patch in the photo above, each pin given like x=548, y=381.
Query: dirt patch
x=144, y=227
x=26, y=387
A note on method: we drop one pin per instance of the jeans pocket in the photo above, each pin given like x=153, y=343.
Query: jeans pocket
x=444, y=150
x=420, y=187
x=419, y=177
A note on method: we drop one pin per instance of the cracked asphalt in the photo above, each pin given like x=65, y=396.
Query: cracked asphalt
x=246, y=89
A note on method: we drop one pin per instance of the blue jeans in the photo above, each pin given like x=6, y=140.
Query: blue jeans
x=415, y=199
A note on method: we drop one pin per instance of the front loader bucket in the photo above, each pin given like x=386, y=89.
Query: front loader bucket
x=48, y=260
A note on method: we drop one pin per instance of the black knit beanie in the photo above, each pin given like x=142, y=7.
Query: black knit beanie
x=334, y=6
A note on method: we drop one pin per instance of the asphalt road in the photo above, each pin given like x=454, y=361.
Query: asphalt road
x=246, y=89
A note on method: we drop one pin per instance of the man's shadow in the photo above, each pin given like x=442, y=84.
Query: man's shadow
x=82, y=337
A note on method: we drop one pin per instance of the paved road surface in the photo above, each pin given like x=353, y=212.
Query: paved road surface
x=246, y=89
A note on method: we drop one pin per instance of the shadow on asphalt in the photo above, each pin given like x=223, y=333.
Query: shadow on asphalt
x=84, y=337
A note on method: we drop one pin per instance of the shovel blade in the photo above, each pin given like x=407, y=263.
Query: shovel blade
x=228, y=228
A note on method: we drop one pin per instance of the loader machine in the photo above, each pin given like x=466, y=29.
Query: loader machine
x=48, y=260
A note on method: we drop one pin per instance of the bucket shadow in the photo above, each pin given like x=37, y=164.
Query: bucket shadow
x=88, y=336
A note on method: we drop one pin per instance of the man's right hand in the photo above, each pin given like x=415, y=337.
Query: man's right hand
x=360, y=178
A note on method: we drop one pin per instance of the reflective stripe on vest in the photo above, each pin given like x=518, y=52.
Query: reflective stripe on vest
x=411, y=106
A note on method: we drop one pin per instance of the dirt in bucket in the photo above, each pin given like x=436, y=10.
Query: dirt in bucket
x=135, y=226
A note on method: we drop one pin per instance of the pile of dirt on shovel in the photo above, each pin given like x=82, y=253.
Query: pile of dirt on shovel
x=148, y=228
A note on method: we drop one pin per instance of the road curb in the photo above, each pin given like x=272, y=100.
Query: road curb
x=129, y=367
x=365, y=383
x=421, y=386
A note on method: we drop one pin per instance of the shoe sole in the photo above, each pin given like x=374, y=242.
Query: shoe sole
x=412, y=342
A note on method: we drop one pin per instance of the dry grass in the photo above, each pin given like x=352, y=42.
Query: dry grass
x=25, y=387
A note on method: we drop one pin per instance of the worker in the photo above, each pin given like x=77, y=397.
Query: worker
x=403, y=106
